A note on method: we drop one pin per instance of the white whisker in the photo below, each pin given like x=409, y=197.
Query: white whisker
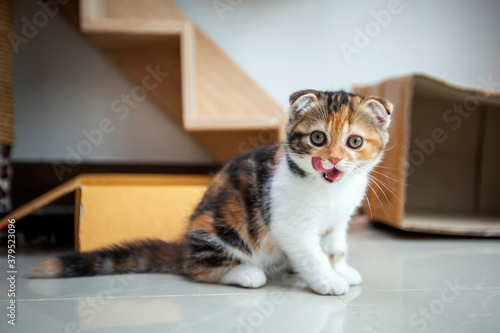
x=369, y=206
x=376, y=195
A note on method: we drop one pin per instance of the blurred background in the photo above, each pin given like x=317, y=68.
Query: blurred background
x=250, y=55
x=224, y=71
x=64, y=84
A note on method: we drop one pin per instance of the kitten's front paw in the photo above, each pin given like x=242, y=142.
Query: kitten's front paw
x=351, y=275
x=335, y=285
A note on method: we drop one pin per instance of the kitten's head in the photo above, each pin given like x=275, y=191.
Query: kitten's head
x=336, y=134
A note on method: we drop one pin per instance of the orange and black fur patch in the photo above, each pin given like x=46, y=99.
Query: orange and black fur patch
x=233, y=216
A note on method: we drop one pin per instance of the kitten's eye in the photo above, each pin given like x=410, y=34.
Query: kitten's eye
x=318, y=138
x=355, y=141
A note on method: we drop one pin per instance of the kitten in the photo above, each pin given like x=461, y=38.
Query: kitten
x=280, y=208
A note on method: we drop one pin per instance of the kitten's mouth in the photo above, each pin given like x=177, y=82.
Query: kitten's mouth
x=332, y=175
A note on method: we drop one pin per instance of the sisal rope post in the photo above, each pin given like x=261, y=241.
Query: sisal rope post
x=6, y=104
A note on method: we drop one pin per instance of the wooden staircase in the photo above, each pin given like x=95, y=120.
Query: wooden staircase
x=204, y=91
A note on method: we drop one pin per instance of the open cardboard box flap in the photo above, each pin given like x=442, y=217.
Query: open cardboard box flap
x=440, y=170
x=116, y=208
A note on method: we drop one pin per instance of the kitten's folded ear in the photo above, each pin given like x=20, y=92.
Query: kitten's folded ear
x=301, y=101
x=380, y=109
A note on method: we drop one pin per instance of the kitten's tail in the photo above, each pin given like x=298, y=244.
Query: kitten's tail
x=148, y=256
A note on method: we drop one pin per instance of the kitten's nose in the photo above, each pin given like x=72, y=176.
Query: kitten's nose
x=334, y=160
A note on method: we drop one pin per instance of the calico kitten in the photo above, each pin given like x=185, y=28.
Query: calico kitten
x=280, y=208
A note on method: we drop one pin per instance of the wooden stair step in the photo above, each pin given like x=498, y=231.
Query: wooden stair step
x=204, y=92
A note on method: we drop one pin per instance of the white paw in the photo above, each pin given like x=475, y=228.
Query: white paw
x=351, y=275
x=247, y=276
x=334, y=285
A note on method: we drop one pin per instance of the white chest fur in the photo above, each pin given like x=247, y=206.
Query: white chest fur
x=309, y=219
x=311, y=203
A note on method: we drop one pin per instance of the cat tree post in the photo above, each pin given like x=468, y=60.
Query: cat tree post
x=6, y=105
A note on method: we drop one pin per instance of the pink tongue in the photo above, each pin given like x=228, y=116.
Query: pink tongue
x=332, y=174
x=317, y=165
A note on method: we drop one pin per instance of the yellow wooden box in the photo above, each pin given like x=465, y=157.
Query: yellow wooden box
x=115, y=208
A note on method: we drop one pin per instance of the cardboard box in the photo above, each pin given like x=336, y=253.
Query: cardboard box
x=440, y=170
x=115, y=208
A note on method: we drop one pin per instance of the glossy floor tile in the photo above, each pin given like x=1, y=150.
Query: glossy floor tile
x=411, y=284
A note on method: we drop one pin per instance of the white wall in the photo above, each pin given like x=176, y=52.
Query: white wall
x=64, y=85
x=289, y=45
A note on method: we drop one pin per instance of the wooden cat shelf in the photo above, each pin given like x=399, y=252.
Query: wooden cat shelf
x=204, y=91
